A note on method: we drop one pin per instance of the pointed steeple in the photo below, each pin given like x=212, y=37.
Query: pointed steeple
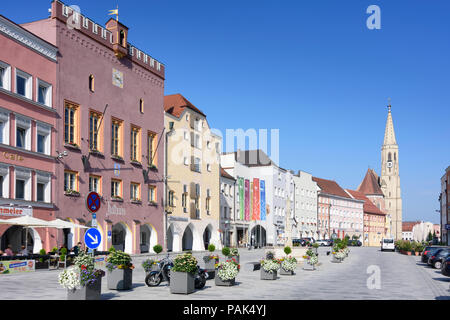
x=389, y=134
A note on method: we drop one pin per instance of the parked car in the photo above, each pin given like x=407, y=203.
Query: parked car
x=354, y=243
x=387, y=244
x=297, y=242
x=445, y=269
x=429, y=250
x=438, y=257
x=322, y=243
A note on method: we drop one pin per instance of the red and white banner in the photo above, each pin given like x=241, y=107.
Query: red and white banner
x=15, y=212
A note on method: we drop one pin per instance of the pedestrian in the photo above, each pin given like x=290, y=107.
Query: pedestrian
x=77, y=249
x=9, y=252
x=23, y=251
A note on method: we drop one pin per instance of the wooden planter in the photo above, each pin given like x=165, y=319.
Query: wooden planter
x=89, y=292
x=265, y=275
x=182, y=282
x=225, y=283
x=120, y=279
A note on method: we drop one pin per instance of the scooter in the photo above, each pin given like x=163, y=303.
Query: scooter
x=154, y=278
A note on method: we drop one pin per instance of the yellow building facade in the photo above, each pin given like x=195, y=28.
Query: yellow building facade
x=193, y=177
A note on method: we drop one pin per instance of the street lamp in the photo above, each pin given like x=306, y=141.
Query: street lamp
x=166, y=211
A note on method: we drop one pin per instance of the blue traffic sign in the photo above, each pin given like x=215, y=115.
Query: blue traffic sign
x=92, y=238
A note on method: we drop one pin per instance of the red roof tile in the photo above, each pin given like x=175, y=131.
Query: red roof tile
x=331, y=187
x=370, y=184
x=225, y=174
x=408, y=226
x=176, y=103
x=368, y=207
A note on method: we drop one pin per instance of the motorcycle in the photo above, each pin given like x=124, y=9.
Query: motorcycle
x=154, y=278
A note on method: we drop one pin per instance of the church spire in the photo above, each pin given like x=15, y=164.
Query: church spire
x=389, y=135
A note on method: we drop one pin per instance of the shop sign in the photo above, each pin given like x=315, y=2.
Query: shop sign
x=113, y=210
x=15, y=212
x=9, y=267
x=11, y=156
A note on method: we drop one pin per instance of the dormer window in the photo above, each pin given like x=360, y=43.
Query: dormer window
x=122, y=39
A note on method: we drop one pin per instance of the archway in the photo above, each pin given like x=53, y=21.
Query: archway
x=188, y=239
x=258, y=237
x=207, y=236
x=148, y=238
x=169, y=239
x=16, y=236
x=122, y=238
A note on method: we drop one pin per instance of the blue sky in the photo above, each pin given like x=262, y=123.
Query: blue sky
x=311, y=69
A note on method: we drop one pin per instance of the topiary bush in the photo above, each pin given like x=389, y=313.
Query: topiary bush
x=226, y=251
x=211, y=248
x=287, y=250
x=158, y=248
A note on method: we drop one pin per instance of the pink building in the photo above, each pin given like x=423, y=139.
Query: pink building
x=115, y=151
x=28, y=120
x=339, y=213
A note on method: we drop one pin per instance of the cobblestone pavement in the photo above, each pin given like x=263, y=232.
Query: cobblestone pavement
x=401, y=277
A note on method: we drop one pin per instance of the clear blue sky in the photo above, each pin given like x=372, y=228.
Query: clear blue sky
x=311, y=69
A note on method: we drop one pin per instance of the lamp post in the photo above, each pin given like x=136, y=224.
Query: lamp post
x=166, y=196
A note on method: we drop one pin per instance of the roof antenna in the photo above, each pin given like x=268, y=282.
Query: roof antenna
x=389, y=105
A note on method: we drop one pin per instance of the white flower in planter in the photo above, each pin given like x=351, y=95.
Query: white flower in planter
x=69, y=279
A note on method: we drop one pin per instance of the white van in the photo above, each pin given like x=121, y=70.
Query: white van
x=388, y=244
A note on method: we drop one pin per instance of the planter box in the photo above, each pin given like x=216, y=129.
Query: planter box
x=120, y=279
x=225, y=283
x=90, y=292
x=307, y=266
x=286, y=273
x=335, y=260
x=268, y=275
x=182, y=282
x=211, y=264
x=235, y=258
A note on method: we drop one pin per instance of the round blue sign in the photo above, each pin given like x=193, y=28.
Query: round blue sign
x=92, y=238
x=93, y=202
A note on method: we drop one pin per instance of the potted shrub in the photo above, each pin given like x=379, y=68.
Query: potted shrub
x=310, y=260
x=41, y=262
x=227, y=272
x=120, y=270
x=82, y=281
x=226, y=252
x=269, y=267
x=158, y=249
x=315, y=247
x=182, y=275
x=211, y=260
x=407, y=247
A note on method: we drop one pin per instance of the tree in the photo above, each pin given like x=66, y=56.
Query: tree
x=430, y=236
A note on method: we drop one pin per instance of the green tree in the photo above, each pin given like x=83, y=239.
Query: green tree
x=430, y=236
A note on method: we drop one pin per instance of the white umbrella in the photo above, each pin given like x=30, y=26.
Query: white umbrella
x=61, y=224
x=27, y=221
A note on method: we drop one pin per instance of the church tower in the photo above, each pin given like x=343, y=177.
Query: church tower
x=390, y=178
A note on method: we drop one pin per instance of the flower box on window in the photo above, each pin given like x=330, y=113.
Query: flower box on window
x=72, y=145
x=117, y=158
x=116, y=198
x=72, y=193
x=136, y=201
x=136, y=163
x=153, y=203
x=152, y=167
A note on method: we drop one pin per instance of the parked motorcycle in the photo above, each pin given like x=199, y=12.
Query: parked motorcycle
x=154, y=278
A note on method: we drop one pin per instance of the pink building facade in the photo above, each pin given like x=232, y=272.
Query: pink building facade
x=28, y=119
x=110, y=101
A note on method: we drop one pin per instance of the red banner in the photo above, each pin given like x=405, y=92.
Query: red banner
x=256, y=204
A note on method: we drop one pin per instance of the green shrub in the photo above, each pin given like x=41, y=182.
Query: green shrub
x=54, y=250
x=315, y=245
x=226, y=251
x=211, y=248
x=234, y=252
x=42, y=252
x=112, y=249
x=63, y=254
x=158, y=248
x=287, y=250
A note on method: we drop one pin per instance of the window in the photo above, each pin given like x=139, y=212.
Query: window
x=141, y=106
x=152, y=145
x=116, y=189
x=135, y=192
x=70, y=123
x=135, y=144
x=184, y=199
x=116, y=137
x=5, y=76
x=91, y=83
x=23, y=84
x=70, y=181
x=4, y=127
x=43, y=189
x=171, y=201
x=23, y=133
x=4, y=181
x=151, y=194
x=44, y=93
x=43, y=138
x=95, y=184
x=95, y=131
x=23, y=184
x=122, y=40
x=196, y=164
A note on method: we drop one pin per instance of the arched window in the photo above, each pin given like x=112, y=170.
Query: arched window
x=395, y=156
x=389, y=157
x=141, y=106
x=91, y=83
x=122, y=39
